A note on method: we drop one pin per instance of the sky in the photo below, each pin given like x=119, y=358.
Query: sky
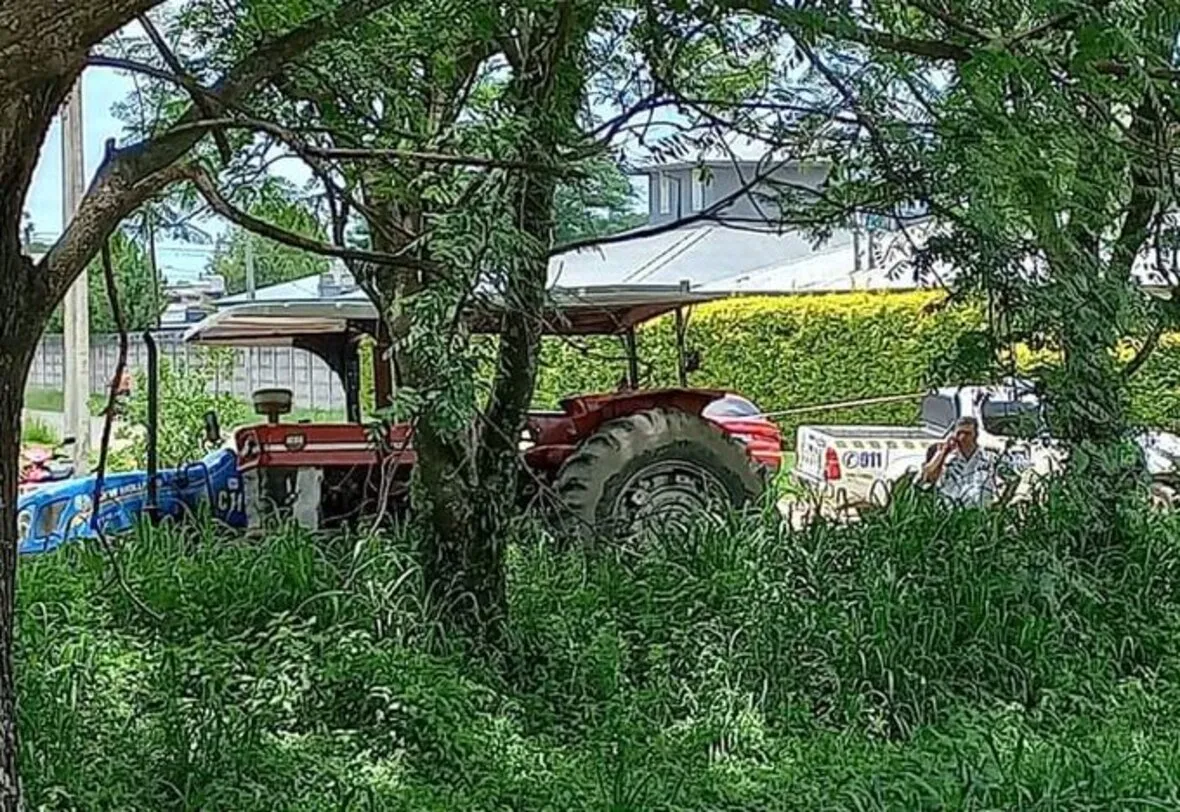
x=101, y=89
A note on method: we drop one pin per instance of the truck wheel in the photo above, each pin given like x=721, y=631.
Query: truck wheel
x=655, y=469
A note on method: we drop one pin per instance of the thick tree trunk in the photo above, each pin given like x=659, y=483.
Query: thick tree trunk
x=465, y=576
x=463, y=546
x=472, y=498
x=12, y=377
x=1091, y=404
x=18, y=339
x=25, y=304
x=468, y=496
x=1091, y=296
x=470, y=534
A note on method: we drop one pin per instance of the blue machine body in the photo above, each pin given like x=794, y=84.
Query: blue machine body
x=61, y=512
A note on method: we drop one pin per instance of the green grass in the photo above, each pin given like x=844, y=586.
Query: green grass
x=54, y=400
x=34, y=431
x=915, y=661
x=784, y=484
x=45, y=400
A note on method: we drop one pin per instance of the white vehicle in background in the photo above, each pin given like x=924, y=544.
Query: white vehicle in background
x=850, y=466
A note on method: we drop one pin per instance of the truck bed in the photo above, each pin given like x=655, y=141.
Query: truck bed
x=874, y=432
x=849, y=459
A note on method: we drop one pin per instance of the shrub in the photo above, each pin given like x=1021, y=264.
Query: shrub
x=783, y=353
x=1155, y=389
x=38, y=433
x=787, y=352
x=184, y=398
x=916, y=661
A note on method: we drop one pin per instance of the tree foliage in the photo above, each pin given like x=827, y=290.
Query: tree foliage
x=599, y=203
x=46, y=47
x=138, y=294
x=1037, y=142
x=277, y=203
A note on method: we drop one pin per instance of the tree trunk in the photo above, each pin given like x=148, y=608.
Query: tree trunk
x=19, y=334
x=464, y=573
x=12, y=378
x=469, y=535
x=1091, y=404
x=463, y=558
x=466, y=488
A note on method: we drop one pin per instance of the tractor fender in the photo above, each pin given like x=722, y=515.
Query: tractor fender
x=591, y=411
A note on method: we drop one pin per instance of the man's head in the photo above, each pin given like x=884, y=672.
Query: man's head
x=966, y=435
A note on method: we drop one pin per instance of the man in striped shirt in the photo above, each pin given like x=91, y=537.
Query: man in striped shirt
x=964, y=474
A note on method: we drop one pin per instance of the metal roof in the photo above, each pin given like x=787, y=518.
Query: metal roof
x=602, y=310
x=607, y=288
x=705, y=254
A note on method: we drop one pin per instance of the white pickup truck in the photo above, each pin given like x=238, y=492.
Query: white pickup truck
x=854, y=465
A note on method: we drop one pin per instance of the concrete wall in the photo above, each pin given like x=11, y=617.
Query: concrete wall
x=313, y=382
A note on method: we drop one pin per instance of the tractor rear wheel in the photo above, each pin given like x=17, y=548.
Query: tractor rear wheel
x=656, y=469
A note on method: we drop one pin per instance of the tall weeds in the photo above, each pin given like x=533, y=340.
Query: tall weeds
x=918, y=660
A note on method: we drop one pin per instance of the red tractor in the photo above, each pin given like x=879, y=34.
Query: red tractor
x=624, y=459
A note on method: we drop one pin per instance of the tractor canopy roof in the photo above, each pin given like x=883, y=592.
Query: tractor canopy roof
x=606, y=310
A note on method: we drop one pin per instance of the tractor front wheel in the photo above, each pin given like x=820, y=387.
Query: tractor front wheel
x=657, y=469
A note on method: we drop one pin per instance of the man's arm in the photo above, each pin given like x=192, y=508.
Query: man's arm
x=932, y=471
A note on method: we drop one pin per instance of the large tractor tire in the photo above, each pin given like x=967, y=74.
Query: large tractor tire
x=653, y=470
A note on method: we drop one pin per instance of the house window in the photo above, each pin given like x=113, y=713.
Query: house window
x=665, y=193
x=699, y=181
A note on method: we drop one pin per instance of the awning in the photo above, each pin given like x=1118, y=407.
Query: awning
x=608, y=310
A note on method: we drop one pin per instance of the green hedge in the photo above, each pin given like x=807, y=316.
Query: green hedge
x=1155, y=389
x=784, y=352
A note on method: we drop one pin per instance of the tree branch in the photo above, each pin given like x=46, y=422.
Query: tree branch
x=804, y=23
x=1144, y=352
x=133, y=174
x=1142, y=205
x=218, y=203
x=40, y=39
x=707, y=214
x=200, y=99
x=949, y=20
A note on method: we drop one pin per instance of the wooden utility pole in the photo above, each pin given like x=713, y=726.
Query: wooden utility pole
x=77, y=300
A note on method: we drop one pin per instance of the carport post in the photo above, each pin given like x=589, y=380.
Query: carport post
x=681, y=360
x=152, y=508
x=681, y=331
x=632, y=359
x=351, y=374
x=382, y=368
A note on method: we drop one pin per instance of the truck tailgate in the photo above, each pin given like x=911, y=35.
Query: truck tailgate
x=809, y=453
x=855, y=455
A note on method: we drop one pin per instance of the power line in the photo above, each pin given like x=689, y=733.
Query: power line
x=49, y=237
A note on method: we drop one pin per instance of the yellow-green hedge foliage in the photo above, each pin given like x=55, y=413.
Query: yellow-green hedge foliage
x=789, y=351
x=783, y=352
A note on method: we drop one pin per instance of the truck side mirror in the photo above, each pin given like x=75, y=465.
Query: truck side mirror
x=692, y=361
x=212, y=428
